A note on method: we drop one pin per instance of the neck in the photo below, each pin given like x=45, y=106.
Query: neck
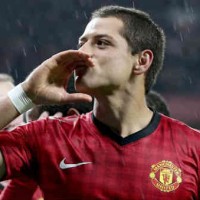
x=124, y=112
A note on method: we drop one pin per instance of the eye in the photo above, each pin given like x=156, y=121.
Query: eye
x=102, y=43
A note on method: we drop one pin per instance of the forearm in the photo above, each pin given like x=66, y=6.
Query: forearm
x=8, y=111
x=45, y=85
x=13, y=104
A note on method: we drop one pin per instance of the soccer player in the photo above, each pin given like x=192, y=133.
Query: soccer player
x=120, y=150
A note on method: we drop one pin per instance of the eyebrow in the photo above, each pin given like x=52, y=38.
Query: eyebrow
x=84, y=38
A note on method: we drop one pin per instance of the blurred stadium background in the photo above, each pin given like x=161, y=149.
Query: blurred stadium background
x=33, y=30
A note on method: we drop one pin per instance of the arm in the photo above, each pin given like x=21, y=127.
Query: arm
x=8, y=111
x=46, y=85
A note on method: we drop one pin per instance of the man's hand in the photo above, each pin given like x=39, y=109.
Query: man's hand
x=47, y=83
x=45, y=114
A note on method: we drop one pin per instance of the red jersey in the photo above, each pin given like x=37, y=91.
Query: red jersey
x=21, y=188
x=78, y=157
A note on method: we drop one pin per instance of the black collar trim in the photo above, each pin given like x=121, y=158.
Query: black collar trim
x=104, y=129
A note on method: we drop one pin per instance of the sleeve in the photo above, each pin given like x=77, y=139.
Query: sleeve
x=17, y=147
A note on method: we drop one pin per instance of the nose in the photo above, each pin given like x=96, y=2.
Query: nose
x=86, y=48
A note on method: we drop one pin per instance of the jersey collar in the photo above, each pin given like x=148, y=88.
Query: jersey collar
x=104, y=129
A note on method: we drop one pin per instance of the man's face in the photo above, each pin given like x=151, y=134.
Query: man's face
x=110, y=54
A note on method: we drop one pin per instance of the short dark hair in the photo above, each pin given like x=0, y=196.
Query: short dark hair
x=156, y=102
x=141, y=33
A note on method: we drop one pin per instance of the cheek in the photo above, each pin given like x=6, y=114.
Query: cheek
x=110, y=69
x=117, y=68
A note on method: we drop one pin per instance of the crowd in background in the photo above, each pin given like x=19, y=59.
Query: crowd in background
x=31, y=31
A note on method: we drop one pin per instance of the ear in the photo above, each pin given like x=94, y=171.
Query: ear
x=145, y=59
x=72, y=111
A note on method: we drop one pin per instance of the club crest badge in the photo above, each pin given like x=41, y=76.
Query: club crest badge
x=165, y=176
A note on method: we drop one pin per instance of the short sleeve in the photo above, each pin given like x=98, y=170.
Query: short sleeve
x=17, y=147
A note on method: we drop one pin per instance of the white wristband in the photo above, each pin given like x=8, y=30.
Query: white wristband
x=20, y=100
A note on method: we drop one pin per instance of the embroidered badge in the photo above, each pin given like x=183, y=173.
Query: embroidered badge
x=165, y=176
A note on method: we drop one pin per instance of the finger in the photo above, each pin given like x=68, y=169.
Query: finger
x=72, y=56
x=88, y=62
x=76, y=98
x=58, y=114
x=44, y=115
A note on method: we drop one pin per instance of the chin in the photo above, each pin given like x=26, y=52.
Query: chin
x=86, y=85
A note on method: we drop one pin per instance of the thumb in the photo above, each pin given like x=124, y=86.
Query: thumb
x=76, y=98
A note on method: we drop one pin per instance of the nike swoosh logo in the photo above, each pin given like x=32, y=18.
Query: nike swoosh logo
x=67, y=166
